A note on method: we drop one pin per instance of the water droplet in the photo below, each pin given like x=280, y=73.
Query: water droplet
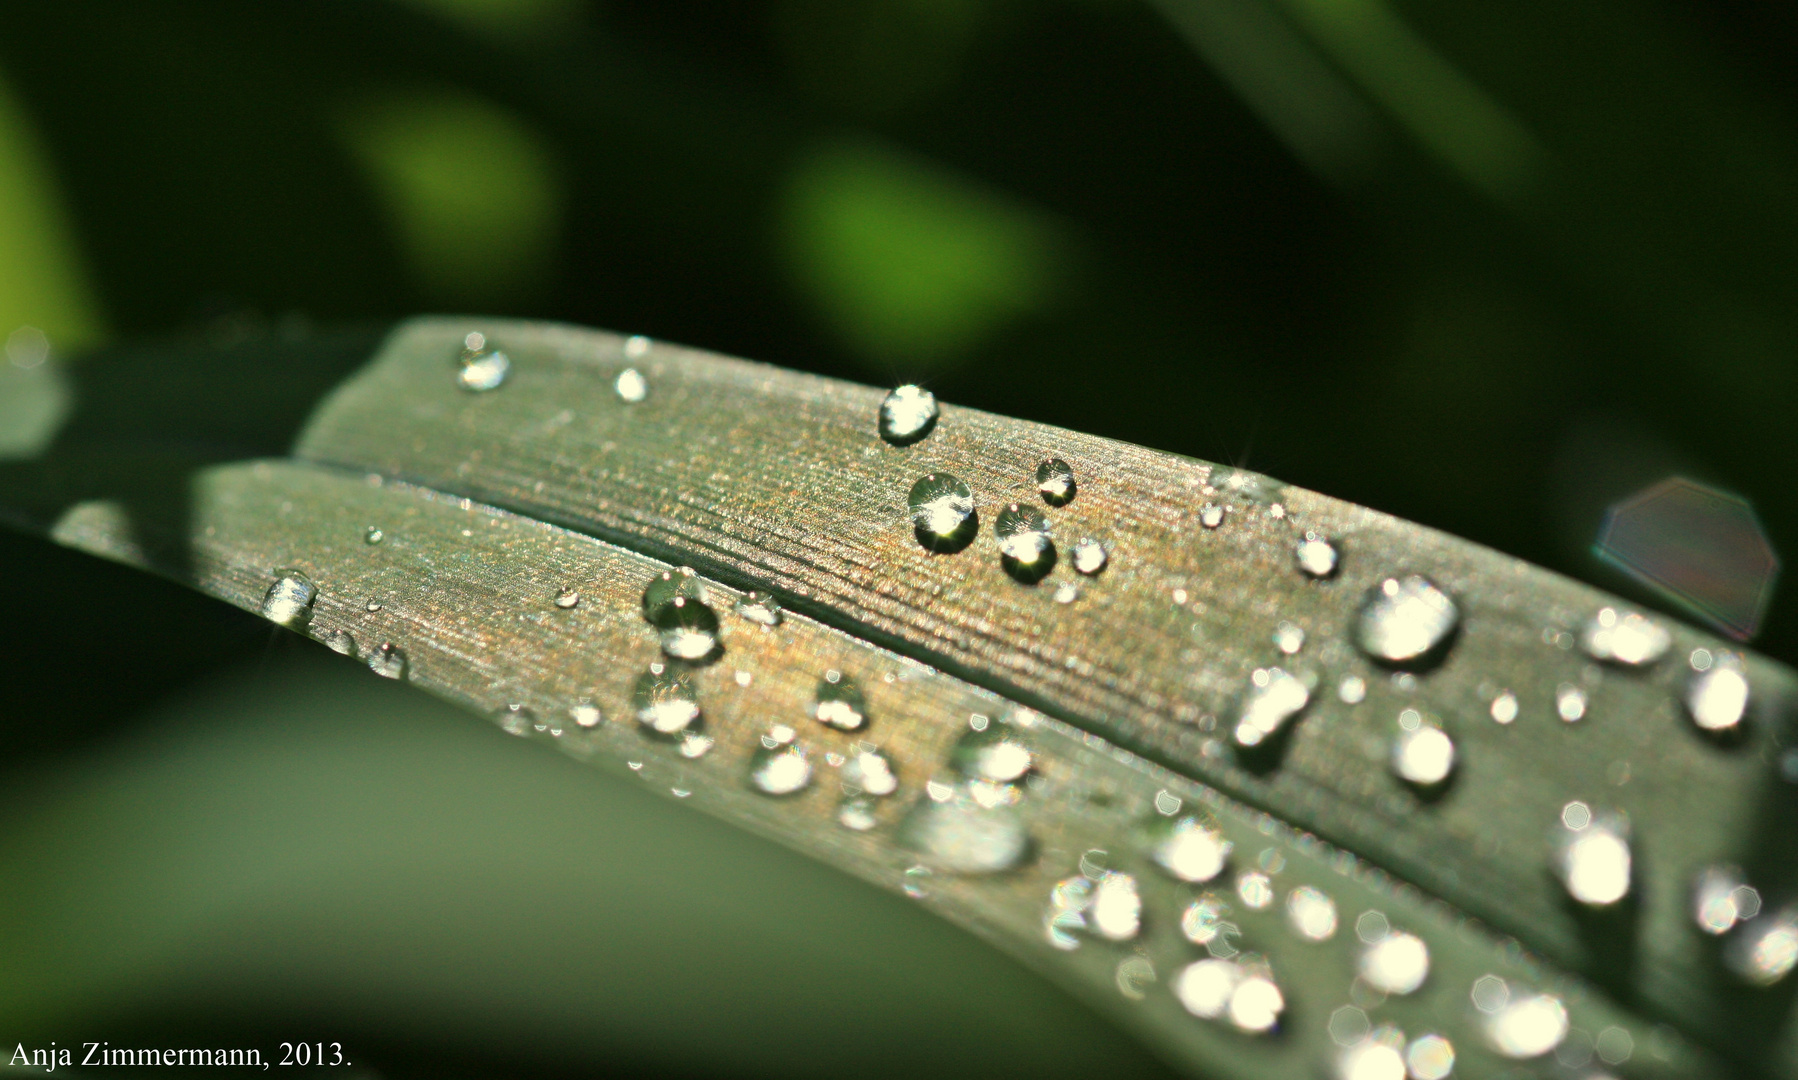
x=1206, y=921
x=1289, y=638
x=992, y=752
x=515, y=719
x=1765, y=951
x=942, y=513
x=1592, y=856
x=1431, y=1057
x=1025, y=549
x=1255, y=890
x=338, y=641
x=689, y=629
x=779, y=766
x=1352, y=690
x=636, y=347
x=1055, y=482
x=1316, y=556
x=857, y=814
x=630, y=386
x=1191, y=848
x=1570, y=703
x=372, y=535
x=694, y=746
x=961, y=835
x=1089, y=556
x=760, y=608
x=1241, y=990
x=1392, y=963
x=916, y=882
x=1528, y=1028
x=1716, y=696
x=907, y=414
x=1116, y=912
x=480, y=366
x=669, y=586
x=1312, y=913
x=1504, y=707
x=869, y=772
x=1624, y=638
x=372, y=606
x=388, y=661
x=1066, y=593
x=840, y=703
x=1406, y=620
x=1424, y=756
x=666, y=703
x=1375, y=1058
x=1721, y=899
x=585, y=714
x=567, y=598
x=1211, y=515
x=289, y=600
x=1273, y=698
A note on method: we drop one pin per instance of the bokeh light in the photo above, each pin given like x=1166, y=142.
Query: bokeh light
x=1701, y=548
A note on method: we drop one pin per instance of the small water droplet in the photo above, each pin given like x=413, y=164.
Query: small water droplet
x=1066, y=593
x=1191, y=848
x=1528, y=1027
x=857, y=814
x=388, y=661
x=1273, y=698
x=1431, y=1057
x=1375, y=1058
x=1504, y=707
x=1765, y=951
x=630, y=386
x=1089, y=556
x=1312, y=913
x=666, y=703
x=688, y=628
x=1352, y=690
x=961, y=835
x=338, y=641
x=1025, y=549
x=760, y=608
x=1424, y=756
x=1624, y=638
x=693, y=745
x=869, y=772
x=1316, y=556
x=1240, y=990
x=1255, y=890
x=585, y=714
x=907, y=415
x=1716, y=695
x=1570, y=703
x=1116, y=912
x=671, y=585
x=636, y=347
x=372, y=606
x=1592, y=855
x=780, y=766
x=1289, y=638
x=372, y=535
x=515, y=719
x=567, y=598
x=1406, y=620
x=1055, y=482
x=288, y=602
x=839, y=703
x=1392, y=963
x=992, y=752
x=1721, y=899
x=480, y=366
x=1211, y=515
x=1206, y=921
x=942, y=513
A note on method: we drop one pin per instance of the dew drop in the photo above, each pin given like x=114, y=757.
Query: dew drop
x=1273, y=698
x=372, y=535
x=288, y=602
x=1592, y=855
x=688, y=628
x=636, y=347
x=1406, y=620
x=1352, y=690
x=1504, y=707
x=779, y=766
x=585, y=714
x=1316, y=556
x=694, y=746
x=666, y=703
x=1570, y=703
x=992, y=753
x=1055, y=482
x=630, y=386
x=839, y=703
x=760, y=608
x=1206, y=921
x=1716, y=696
x=1312, y=913
x=480, y=366
x=372, y=606
x=907, y=415
x=1375, y=1058
x=1191, y=848
x=339, y=642
x=1625, y=638
x=1423, y=757
x=1089, y=556
x=857, y=814
x=1289, y=638
x=1242, y=991
x=669, y=586
x=1211, y=515
x=388, y=661
x=1721, y=899
x=567, y=598
x=1255, y=890
x=1025, y=549
x=942, y=513
x=960, y=835
x=869, y=772
x=1765, y=951
x=1528, y=1028
x=515, y=719
x=1066, y=593
x=1393, y=963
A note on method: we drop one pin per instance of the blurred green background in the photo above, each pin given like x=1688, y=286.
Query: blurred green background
x=1491, y=268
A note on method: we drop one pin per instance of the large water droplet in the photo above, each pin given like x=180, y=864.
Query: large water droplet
x=780, y=766
x=1592, y=856
x=1624, y=638
x=907, y=415
x=960, y=834
x=1529, y=1027
x=1025, y=549
x=671, y=585
x=942, y=513
x=1721, y=899
x=1406, y=621
x=1716, y=696
x=630, y=386
x=1316, y=556
x=1273, y=698
x=288, y=602
x=1423, y=755
x=689, y=629
x=388, y=661
x=480, y=365
x=1055, y=482
x=840, y=703
x=760, y=608
x=666, y=703
x=1191, y=848
x=1089, y=556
